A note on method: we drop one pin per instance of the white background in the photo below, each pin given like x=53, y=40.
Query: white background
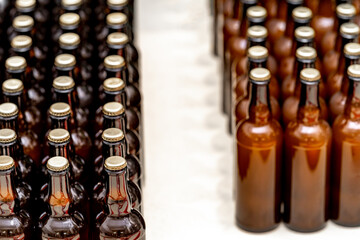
x=188, y=189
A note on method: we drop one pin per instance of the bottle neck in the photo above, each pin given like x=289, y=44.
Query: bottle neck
x=66, y=72
x=244, y=23
x=256, y=42
x=69, y=97
x=10, y=122
x=21, y=75
x=256, y=63
x=62, y=150
x=118, y=199
x=7, y=193
x=301, y=64
x=115, y=122
x=59, y=194
x=119, y=97
x=11, y=149
x=349, y=60
x=309, y=107
x=260, y=109
x=340, y=21
x=118, y=73
x=118, y=51
x=301, y=43
x=290, y=25
x=114, y=149
x=341, y=41
x=63, y=122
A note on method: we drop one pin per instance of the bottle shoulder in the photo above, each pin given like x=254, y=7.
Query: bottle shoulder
x=346, y=129
x=60, y=227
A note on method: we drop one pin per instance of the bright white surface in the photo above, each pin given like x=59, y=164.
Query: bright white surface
x=187, y=194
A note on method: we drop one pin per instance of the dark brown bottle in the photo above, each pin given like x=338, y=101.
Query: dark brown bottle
x=21, y=25
x=297, y=17
x=258, y=166
x=29, y=116
x=9, y=118
x=60, y=116
x=305, y=58
x=63, y=222
x=349, y=32
x=333, y=83
x=68, y=22
x=14, y=222
x=64, y=91
x=113, y=90
x=344, y=190
x=345, y=13
x=75, y=6
x=115, y=22
x=121, y=221
x=10, y=146
x=307, y=161
x=338, y=99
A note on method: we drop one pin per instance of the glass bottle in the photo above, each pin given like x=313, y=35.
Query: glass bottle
x=121, y=221
x=349, y=32
x=10, y=146
x=63, y=223
x=21, y=25
x=338, y=99
x=75, y=6
x=60, y=116
x=345, y=13
x=323, y=20
x=29, y=116
x=259, y=146
x=14, y=222
x=333, y=82
x=9, y=118
x=305, y=58
x=113, y=90
x=297, y=16
x=64, y=91
x=345, y=187
x=68, y=22
x=307, y=161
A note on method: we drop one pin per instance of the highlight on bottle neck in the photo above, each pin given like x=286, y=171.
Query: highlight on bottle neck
x=352, y=106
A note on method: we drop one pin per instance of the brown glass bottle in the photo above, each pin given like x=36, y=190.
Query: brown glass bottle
x=338, y=99
x=333, y=83
x=259, y=147
x=29, y=116
x=305, y=58
x=345, y=13
x=63, y=223
x=257, y=59
x=122, y=221
x=14, y=223
x=113, y=90
x=21, y=25
x=75, y=6
x=349, y=32
x=9, y=118
x=64, y=91
x=297, y=17
x=277, y=24
x=345, y=195
x=323, y=20
x=60, y=116
x=68, y=22
x=307, y=161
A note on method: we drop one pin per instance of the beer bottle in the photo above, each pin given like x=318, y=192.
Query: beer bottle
x=305, y=58
x=21, y=25
x=60, y=116
x=63, y=222
x=122, y=221
x=123, y=6
x=10, y=146
x=259, y=147
x=297, y=17
x=29, y=116
x=75, y=6
x=345, y=13
x=68, y=22
x=115, y=22
x=64, y=91
x=349, y=32
x=338, y=99
x=323, y=20
x=14, y=221
x=9, y=118
x=345, y=195
x=307, y=160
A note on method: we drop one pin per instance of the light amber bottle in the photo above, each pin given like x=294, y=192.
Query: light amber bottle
x=338, y=99
x=345, y=189
x=307, y=161
x=333, y=82
x=259, y=147
x=305, y=58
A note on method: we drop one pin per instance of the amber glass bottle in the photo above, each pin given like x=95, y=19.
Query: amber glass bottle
x=349, y=32
x=122, y=221
x=345, y=13
x=64, y=91
x=259, y=147
x=323, y=20
x=307, y=160
x=297, y=17
x=14, y=222
x=305, y=58
x=63, y=223
x=9, y=118
x=29, y=116
x=60, y=116
x=338, y=99
x=345, y=198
